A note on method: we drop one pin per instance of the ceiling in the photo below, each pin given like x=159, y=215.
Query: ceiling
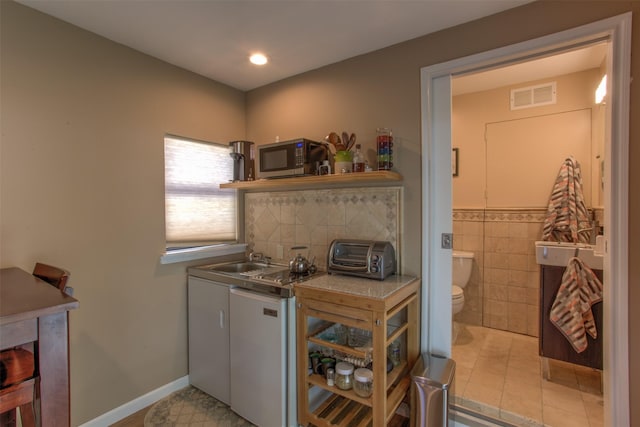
x=571, y=61
x=214, y=38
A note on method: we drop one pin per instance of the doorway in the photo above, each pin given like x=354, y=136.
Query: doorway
x=437, y=189
x=508, y=159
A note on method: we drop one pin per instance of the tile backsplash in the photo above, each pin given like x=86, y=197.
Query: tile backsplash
x=313, y=218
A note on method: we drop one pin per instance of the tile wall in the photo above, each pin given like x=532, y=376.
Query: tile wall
x=512, y=277
x=504, y=289
x=503, y=292
x=468, y=235
x=313, y=218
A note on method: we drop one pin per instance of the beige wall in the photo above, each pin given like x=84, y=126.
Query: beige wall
x=383, y=89
x=513, y=156
x=102, y=110
x=358, y=95
x=82, y=175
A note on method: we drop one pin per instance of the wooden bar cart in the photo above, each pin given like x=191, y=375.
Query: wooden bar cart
x=386, y=312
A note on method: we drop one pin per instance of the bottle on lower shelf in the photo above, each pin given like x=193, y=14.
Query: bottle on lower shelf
x=394, y=353
x=331, y=377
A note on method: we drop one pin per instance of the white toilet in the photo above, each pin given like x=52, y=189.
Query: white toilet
x=461, y=272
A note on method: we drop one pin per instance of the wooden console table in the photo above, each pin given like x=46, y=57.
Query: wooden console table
x=31, y=310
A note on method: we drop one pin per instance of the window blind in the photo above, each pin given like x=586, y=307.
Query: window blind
x=197, y=211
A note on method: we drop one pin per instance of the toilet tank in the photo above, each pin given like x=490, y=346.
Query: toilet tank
x=461, y=272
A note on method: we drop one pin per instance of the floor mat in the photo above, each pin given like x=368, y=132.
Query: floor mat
x=192, y=407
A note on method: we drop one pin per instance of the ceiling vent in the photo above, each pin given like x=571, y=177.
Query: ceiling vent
x=533, y=96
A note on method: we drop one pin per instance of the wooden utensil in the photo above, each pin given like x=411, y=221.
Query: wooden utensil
x=352, y=141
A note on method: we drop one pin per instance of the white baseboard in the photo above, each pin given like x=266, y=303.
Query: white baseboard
x=137, y=404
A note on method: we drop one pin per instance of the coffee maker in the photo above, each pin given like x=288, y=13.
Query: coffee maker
x=242, y=155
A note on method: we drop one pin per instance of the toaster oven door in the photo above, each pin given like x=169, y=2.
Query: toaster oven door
x=350, y=256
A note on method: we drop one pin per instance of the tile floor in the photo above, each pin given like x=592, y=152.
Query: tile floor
x=498, y=374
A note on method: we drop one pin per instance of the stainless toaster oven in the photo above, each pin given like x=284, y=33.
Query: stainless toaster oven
x=362, y=258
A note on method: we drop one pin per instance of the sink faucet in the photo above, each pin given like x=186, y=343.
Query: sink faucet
x=596, y=228
x=259, y=256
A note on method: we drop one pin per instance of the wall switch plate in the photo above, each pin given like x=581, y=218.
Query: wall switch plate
x=447, y=241
x=279, y=252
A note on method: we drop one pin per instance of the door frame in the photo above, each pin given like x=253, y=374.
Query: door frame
x=437, y=188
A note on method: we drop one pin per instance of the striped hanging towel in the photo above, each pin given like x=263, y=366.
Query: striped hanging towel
x=571, y=310
x=567, y=218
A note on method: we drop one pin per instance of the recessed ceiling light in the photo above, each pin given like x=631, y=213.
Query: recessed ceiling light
x=258, y=59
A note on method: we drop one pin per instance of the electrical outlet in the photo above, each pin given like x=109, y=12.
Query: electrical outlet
x=279, y=252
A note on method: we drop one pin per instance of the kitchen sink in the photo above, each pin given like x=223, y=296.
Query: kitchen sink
x=559, y=254
x=272, y=278
x=241, y=267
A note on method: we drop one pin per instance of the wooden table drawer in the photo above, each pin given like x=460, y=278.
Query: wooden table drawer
x=17, y=333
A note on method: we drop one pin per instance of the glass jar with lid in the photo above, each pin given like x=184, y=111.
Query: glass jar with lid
x=344, y=375
x=363, y=382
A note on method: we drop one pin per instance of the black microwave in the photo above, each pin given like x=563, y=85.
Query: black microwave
x=297, y=157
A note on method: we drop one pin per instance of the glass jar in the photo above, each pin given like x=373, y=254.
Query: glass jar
x=384, y=142
x=363, y=382
x=331, y=377
x=344, y=375
x=394, y=353
x=342, y=334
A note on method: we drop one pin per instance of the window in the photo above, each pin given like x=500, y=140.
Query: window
x=197, y=211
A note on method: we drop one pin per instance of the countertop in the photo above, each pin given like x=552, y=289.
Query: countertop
x=357, y=286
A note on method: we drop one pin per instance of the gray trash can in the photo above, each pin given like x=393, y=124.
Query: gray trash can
x=431, y=379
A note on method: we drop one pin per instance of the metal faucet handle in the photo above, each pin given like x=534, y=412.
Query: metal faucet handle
x=259, y=256
x=256, y=256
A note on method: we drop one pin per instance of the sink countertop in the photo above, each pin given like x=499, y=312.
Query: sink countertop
x=559, y=253
x=357, y=286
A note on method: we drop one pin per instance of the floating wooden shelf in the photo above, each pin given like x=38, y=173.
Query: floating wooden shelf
x=319, y=181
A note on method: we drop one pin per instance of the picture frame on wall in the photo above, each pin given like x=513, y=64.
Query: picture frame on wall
x=454, y=161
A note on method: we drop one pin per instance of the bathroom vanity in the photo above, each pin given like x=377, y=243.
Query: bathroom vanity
x=552, y=343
